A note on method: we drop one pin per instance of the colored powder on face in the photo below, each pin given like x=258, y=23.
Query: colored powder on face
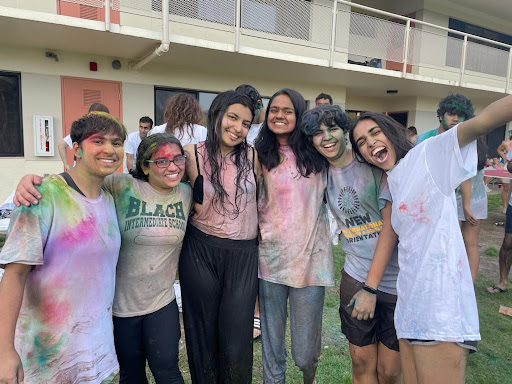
x=81, y=154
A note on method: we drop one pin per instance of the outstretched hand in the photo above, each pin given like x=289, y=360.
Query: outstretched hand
x=364, y=305
x=26, y=192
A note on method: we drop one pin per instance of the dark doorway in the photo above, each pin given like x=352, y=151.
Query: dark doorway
x=401, y=117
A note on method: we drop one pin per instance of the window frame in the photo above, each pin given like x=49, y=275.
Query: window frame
x=16, y=75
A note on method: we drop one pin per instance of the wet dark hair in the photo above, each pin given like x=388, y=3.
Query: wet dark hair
x=98, y=107
x=324, y=96
x=308, y=159
x=249, y=90
x=329, y=115
x=239, y=157
x=146, y=119
x=456, y=104
x=148, y=147
x=481, y=149
x=394, y=132
x=96, y=123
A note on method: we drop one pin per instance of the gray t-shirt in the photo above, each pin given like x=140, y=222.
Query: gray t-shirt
x=356, y=194
x=152, y=226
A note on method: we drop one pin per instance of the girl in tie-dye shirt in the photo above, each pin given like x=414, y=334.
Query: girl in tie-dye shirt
x=295, y=255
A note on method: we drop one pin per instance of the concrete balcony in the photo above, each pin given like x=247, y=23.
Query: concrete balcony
x=321, y=34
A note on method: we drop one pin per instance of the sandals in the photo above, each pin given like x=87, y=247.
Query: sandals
x=495, y=289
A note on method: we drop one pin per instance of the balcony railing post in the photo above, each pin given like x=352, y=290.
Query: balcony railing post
x=107, y=15
x=238, y=18
x=509, y=71
x=333, y=32
x=463, y=60
x=406, y=46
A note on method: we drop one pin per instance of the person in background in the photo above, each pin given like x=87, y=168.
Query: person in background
x=66, y=141
x=183, y=119
x=57, y=292
x=452, y=110
x=412, y=134
x=505, y=255
x=259, y=111
x=133, y=141
x=472, y=209
x=323, y=99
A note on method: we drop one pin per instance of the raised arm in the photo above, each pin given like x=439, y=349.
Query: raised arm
x=61, y=146
x=492, y=117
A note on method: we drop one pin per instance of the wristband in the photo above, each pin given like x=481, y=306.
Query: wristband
x=369, y=289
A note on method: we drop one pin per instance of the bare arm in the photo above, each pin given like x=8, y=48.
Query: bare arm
x=11, y=296
x=493, y=116
x=62, y=153
x=364, y=302
x=465, y=191
x=129, y=161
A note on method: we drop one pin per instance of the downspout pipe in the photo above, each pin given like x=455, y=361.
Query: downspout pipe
x=164, y=45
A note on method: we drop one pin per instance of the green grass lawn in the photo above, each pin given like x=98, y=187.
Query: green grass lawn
x=492, y=364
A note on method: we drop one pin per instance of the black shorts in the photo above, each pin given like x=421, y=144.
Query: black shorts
x=366, y=332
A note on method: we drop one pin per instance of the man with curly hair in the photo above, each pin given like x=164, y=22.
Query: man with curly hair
x=452, y=110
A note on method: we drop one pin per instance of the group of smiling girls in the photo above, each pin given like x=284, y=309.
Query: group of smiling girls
x=260, y=212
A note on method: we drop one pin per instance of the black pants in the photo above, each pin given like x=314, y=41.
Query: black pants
x=219, y=283
x=154, y=337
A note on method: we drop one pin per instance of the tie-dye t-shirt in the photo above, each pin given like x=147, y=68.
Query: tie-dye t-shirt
x=152, y=226
x=436, y=297
x=295, y=247
x=424, y=136
x=64, y=330
x=356, y=194
x=478, y=202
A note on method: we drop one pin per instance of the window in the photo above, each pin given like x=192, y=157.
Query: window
x=162, y=96
x=11, y=128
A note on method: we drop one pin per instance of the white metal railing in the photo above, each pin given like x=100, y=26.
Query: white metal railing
x=345, y=31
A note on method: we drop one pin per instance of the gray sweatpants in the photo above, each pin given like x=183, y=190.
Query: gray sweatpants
x=306, y=305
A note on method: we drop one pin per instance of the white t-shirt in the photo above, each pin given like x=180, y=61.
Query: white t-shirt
x=64, y=330
x=130, y=146
x=478, y=202
x=436, y=298
x=198, y=130
x=253, y=133
x=68, y=141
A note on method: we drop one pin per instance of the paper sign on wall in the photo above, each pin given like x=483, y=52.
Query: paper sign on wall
x=43, y=136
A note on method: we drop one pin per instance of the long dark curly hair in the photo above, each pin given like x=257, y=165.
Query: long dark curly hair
x=394, y=131
x=239, y=156
x=307, y=158
x=182, y=112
